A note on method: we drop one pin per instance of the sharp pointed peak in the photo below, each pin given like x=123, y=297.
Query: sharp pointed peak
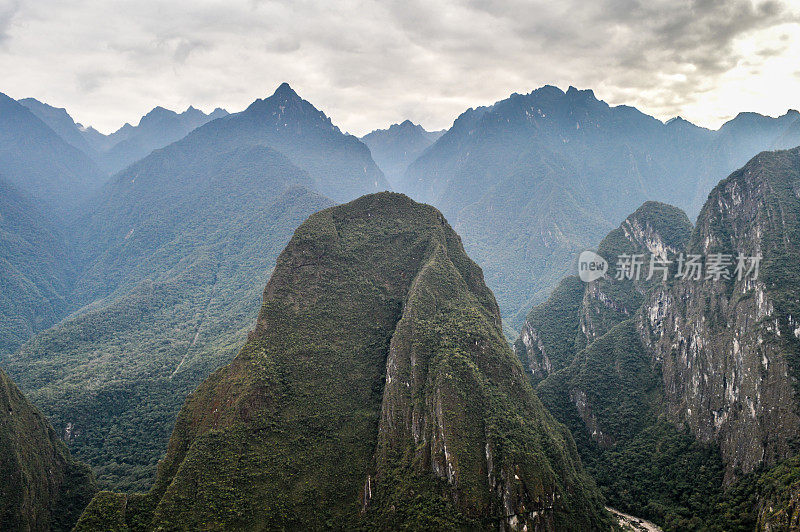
x=284, y=90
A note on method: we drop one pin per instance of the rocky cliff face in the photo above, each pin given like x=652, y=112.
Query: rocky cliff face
x=728, y=349
x=376, y=391
x=579, y=313
x=717, y=356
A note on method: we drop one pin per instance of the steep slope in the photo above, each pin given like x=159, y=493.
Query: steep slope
x=394, y=149
x=730, y=350
x=716, y=358
x=583, y=349
x=531, y=180
x=35, y=160
x=578, y=313
x=376, y=390
x=65, y=127
x=158, y=128
x=43, y=488
x=181, y=244
x=35, y=269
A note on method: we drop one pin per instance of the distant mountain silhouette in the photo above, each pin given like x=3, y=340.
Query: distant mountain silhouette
x=37, y=161
x=113, y=152
x=395, y=148
x=340, y=165
x=158, y=128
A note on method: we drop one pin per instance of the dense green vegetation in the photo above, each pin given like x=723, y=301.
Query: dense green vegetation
x=607, y=391
x=35, y=269
x=643, y=464
x=112, y=378
x=301, y=431
x=764, y=498
x=557, y=325
x=43, y=488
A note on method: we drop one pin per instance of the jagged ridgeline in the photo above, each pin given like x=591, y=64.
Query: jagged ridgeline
x=42, y=487
x=376, y=390
x=681, y=394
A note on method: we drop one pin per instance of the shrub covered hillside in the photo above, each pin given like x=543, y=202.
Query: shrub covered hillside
x=376, y=390
x=41, y=487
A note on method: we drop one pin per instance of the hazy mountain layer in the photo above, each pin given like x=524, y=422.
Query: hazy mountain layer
x=535, y=178
x=38, y=162
x=157, y=129
x=394, y=149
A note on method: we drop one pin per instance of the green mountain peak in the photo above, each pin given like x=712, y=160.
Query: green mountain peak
x=376, y=390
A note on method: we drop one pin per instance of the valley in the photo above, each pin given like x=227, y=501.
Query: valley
x=255, y=320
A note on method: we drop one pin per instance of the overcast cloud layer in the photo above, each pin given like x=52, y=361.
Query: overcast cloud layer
x=369, y=64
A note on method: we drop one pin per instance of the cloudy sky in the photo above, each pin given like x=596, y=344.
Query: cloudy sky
x=368, y=64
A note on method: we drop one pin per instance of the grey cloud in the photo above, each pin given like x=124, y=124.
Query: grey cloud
x=8, y=8
x=369, y=63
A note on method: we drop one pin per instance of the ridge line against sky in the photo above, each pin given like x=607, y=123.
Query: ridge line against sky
x=371, y=64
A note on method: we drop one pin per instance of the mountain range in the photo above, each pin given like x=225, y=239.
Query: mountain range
x=171, y=257
x=158, y=128
x=531, y=180
x=395, y=148
x=132, y=267
x=38, y=162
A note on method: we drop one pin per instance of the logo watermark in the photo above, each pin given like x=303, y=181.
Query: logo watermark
x=591, y=266
x=641, y=266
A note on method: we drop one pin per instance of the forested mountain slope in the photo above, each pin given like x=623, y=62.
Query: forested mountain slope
x=376, y=390
x=36, y=269
x=43, y=488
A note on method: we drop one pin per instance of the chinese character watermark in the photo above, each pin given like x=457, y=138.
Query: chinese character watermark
x=688, y=266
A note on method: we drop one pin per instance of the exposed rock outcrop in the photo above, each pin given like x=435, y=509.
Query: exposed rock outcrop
x=728, y=348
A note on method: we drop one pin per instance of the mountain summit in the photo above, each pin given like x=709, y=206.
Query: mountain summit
x=394, y=149
x=339, y=164
x=376, y=390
